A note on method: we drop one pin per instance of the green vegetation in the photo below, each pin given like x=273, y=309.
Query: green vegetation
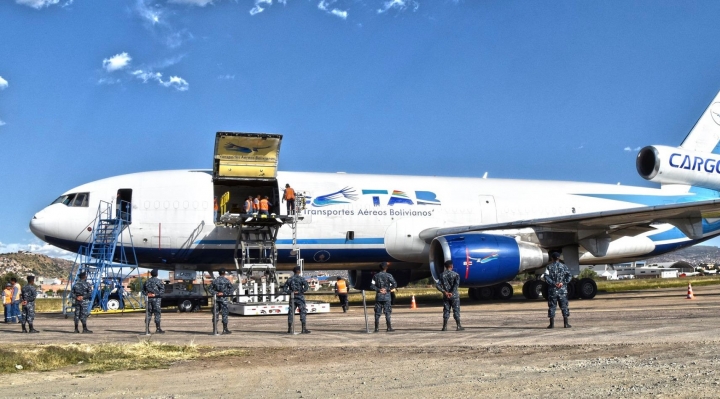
x=44, y=305
x=655, y=283
x=7, y=276
x=588, y=273
x=103, y=357
x=39, y=265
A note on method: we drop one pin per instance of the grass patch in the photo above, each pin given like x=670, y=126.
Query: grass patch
x=44, y=305
x=655, y=283
x=104, y=357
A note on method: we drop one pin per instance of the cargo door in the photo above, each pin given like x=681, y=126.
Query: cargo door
x=487, y=209
x=246, y=156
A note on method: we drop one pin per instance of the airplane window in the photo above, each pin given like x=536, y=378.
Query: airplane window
x=69, y=200
x=61, y=199
x=81, y=200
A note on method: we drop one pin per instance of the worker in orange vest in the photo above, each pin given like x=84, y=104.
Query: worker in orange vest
x=289, y=196
x=256, y=204
x=341, y=290
x=248, y=208
x=265, y=206
x=7, y=295
x=215, y=209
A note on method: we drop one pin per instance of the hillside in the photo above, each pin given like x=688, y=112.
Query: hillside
x=696, y=255
x=40, y=265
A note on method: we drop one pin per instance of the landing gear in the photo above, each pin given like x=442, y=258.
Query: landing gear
x=485, y=293
x=504, y=291
x=534, y=289
x=586, y=288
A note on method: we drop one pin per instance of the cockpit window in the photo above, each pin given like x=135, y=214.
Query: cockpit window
x=74, y=199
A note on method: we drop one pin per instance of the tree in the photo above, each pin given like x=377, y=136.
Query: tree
x=136, y=285
x=6, y=279
x=588, y=273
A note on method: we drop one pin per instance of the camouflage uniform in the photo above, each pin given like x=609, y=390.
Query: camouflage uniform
x=28, y=295
x=84, y=289
x=221, y=284
x=449, y=282
x=557, y=272
x=382, y=301
x=153, y=286
x=298, y=285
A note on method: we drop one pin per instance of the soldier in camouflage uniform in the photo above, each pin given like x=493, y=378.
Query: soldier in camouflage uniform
x=27, y=296
x=448, y=284
x=382, y=284
x=223, y=288
x=557, y=276
x=81, y=292
x=297, y=285
x=154, y=288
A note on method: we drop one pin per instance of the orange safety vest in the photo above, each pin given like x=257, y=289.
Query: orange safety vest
x=264, y=205
x=215, y=205
x=7, y=298
x=256, y=204
x=342, y=287
x=17, y=294
x=289, y=193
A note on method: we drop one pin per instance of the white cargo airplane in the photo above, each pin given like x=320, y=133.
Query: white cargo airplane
x=492, y=229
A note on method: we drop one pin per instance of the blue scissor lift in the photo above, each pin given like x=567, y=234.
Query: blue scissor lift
x=105, y=260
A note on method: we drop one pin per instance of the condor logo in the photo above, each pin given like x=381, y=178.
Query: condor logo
x=680, y=161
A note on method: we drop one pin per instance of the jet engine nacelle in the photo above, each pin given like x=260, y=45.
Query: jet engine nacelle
x=484, y=259
x=671, y=165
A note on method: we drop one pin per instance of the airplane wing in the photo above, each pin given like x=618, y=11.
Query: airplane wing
x=687, y=217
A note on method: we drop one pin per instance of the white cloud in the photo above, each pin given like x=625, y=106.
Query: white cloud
x=2, y=123
x=324, y=5
x=38, y=248
x=149, y=13
x=226, y=77
x=108, y=81
x=400, y=5
x=37, y=4
x=176, y=82
x=200, y=3
x=628, y=149
x=3, y=83
x=259, y=6
x=116, y=62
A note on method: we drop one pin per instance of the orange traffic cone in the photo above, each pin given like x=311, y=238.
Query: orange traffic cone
x=690, y=293
x=413, y=305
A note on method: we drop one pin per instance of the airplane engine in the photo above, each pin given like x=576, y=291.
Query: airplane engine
x=484, y=259
x=361, y=279
x=671, y=165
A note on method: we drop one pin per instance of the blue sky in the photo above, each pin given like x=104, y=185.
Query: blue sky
x=519, y=89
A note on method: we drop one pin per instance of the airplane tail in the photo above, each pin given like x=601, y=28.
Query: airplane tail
x=705, y=135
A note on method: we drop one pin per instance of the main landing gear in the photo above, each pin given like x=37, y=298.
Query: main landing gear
x=584, y=288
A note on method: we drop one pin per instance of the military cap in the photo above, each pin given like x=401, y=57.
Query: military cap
x=82, y=275
x=296, y=269
x=154, y=272
x=555, y=255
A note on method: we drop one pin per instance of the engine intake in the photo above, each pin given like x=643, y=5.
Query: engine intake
x=670, y=165
x=484, y=259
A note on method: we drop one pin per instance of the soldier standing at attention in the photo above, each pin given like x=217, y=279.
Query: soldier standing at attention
x=27, y=297
x=448, y=284
x=297, y=285
x=154, y=288
x=223, y=288
x=341, y=290
x=81, y=292
x=557, y=276
x=382, y=284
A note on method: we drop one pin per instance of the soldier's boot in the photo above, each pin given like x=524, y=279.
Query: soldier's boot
x=444, y=325
x=158, y=330
x=76, y=328
x=289, y=328
x=566, y=323
x=225, y=330
x=389, y=329
x=377, y=326
x=460, y=327
x=85, y=329
x=32, y=329
x=304, y=329
x=23, y=328
x=552, y=323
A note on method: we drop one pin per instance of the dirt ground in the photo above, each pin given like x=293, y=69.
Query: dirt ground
x=644, y=343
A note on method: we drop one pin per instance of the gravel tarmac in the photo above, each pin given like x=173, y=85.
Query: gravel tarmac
x=651, y=343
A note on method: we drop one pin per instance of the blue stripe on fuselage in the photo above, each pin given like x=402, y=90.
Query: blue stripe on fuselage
x=305, y=241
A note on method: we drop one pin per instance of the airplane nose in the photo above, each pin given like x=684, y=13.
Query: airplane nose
x=37, y=227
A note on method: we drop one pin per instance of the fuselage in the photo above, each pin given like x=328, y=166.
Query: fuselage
x=173, y=216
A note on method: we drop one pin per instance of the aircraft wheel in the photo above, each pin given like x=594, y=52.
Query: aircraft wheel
x=185, y=306
x=544, y=288
x=534, y=290
x=525, y=289
x=474, y=294
x=113, y=304
x=504, y=291
x=586, y=288
x=571, y=292
x=485, y=293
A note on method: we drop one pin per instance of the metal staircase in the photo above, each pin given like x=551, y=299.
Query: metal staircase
x=105, y=260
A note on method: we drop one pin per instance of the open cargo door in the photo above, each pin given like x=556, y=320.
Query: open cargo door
x=246, y=156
